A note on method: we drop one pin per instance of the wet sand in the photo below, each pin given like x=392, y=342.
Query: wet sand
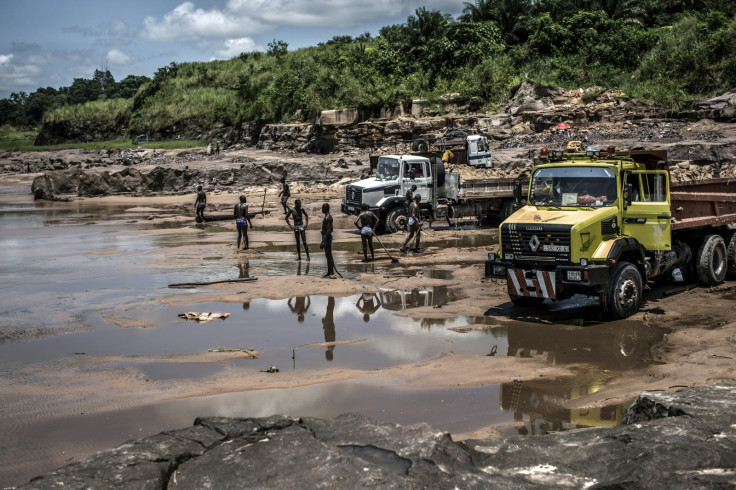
x=564, y=351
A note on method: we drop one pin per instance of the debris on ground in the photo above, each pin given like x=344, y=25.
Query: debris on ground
x=203, y=317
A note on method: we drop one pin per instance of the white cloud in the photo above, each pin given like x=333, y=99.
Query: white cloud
x=187, y=23
x=18, y=75
x=117, y=57
x=241, y=18
x=233, y=47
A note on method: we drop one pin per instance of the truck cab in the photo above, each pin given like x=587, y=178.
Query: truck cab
x=593, y=223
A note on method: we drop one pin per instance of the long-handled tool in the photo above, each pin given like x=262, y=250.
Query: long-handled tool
x=393, y=260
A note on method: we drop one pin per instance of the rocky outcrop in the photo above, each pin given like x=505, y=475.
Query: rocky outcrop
x=668, y=441
x=54, y=133
x=721, y=108
x=145, y=181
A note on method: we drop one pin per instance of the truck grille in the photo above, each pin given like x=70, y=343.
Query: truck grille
x=536, y=242
x=353, y=194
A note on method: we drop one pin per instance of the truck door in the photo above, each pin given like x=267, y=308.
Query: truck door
x=417, y=173
x=479, y=154
x=647, y=217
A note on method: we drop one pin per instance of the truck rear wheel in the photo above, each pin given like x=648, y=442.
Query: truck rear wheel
x=623, y=296
x=396, y=220
x=526, y=301
x=731, y=256
x=507, y=209
x=711, y=263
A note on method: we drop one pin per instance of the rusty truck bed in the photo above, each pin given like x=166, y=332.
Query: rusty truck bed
x=706, y=203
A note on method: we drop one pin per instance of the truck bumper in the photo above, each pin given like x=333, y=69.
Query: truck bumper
x=349, y=208
x=540, y=283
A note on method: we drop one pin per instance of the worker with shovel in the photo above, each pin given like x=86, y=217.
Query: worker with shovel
x=326, y=242
x=366, y=222
x=415, y=227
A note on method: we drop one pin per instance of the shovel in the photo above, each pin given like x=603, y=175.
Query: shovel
x=393, y=260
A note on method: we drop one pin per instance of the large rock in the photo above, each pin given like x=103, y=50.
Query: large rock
x=670, y=441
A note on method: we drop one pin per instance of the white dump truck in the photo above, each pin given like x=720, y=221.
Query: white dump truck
x=444, y=194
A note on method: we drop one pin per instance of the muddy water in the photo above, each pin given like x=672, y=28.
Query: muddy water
x=69, y=270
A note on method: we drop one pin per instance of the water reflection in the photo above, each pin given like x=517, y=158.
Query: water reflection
x=539, y=406
x=300, y=306
x=368, y=304
x=328, y=325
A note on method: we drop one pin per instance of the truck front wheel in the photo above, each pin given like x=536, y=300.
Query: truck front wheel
x=711, y=263
x=623, y=296
x=396, y=220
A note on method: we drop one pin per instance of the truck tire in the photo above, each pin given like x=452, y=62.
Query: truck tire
x=623, y=296
x=711, y=262
x=396, y=220
x=731, y=255
x=526, y=301
x=419, y=145
x=507, y=209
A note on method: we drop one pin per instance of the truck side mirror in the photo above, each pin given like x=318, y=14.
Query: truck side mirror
x=517, y=192
x=628, y=190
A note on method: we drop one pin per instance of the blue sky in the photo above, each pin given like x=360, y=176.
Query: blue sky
x=49, y=43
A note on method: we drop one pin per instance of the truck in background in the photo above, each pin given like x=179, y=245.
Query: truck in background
x=607, y=223
x=456, y=147
x=444, y=194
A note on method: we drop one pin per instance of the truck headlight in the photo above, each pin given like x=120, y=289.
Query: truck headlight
x=491, y=256
x=499, y=270
x=573, y=275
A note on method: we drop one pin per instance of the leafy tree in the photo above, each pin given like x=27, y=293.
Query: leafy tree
x=278, y=48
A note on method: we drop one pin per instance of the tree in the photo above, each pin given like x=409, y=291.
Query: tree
x=278, y=48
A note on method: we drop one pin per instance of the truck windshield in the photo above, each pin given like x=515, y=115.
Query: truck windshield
x=576, y=186
x=388, y=168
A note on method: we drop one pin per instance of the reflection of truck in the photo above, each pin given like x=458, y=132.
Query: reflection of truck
x=605, y=223
x=443, y=193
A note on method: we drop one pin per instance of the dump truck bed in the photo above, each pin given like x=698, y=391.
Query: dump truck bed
x=706, y=203
x=486, y=189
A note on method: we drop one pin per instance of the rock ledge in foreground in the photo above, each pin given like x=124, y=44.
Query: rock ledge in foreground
x=670, y=441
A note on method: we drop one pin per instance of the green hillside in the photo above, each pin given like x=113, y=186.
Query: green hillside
x=663, y=52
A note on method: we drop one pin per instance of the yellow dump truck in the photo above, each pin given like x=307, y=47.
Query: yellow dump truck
x=605, y=223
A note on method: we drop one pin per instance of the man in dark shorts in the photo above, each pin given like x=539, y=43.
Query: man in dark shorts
x=284, y=194
x=242, y=222
x=409, y=198
x=301, y=221
x=199, y=204
x=415, y=226
x=366, y=222
x=326, y=243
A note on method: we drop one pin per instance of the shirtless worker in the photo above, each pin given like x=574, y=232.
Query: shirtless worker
x=242, y=222
x=366, y=222
x=415, y=226
x=408, y=200
x=199, y=204
x=300, y=225
x=326, y=243
x=284, y=194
